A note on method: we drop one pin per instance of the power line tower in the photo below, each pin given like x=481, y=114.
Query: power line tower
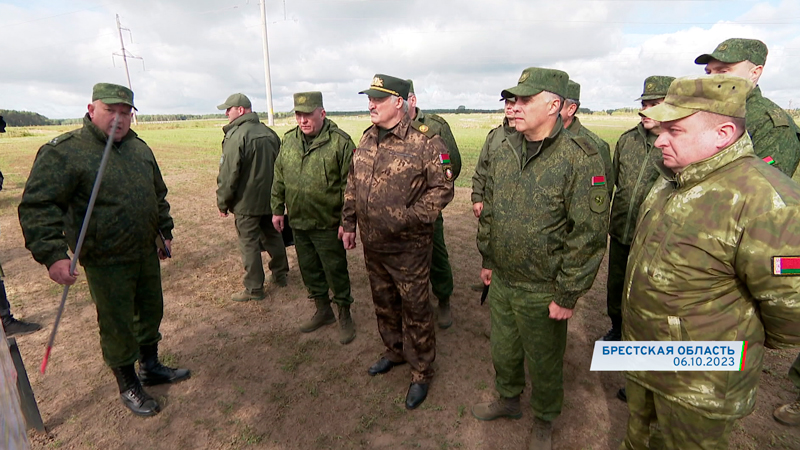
x=125, y=55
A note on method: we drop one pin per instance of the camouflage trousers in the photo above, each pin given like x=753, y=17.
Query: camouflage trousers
x=256, y=234
x=323, y=264
x=129, y=305
x=441, y=272
x=523, y=330
x=674, y=427
x=617, y=262
x=794, y=372
x=399, y=283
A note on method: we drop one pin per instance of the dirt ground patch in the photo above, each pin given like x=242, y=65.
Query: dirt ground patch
x=257, y=382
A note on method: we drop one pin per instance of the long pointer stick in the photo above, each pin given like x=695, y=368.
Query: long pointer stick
x=81, y=236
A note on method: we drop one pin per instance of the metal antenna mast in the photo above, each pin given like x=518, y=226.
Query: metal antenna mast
x=125, y=55
x=270, y=115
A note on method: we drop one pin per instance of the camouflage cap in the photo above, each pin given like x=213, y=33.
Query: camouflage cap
x=573, y=91
x=235, y=100
x=720, y=94
x=111, y=94
x=655, y=87
x=307, y=102
x=385, y=85
x=737, y=50
x=410, y=87
x=535, y=80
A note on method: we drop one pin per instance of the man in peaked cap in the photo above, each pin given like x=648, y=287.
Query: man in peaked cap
x=120, y=256
x=400, y=180
x=775, y=135
x=310, y=179
x=441, y=272
x=572, y=102
x=687, y=272
x=244, y=183
x=542, y=237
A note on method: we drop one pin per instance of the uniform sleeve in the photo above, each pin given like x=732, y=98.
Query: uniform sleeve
x=228, y=179
x=587, y=225
x=349, y=205
x=278, y=194
x=44, y=203
x=778, y=138
x=452, y=148
x=773, y=235
x=439, y=191
x=485, y=222
x=608, y=165
x=165, y=222
x=481, y=171
x=344, y=163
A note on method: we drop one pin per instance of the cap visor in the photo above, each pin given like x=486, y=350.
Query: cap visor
x=222, y=107
x=305, y=109
x=703, y=59
x=375, y=93
x=520, y=90
x=665, y=112
x=650, y=97
x=116, y=101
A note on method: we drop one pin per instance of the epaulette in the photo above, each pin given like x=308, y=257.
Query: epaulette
x=437, y=118
x=424, y=129
x=584, y=144
x=59, y=139
x=367, y=129
x=342, y=133
x=778, y=116
x=291, y=130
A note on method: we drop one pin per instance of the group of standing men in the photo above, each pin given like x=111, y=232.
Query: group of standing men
x=711, y=255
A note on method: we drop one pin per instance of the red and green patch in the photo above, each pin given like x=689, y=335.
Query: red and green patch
x=786, y=265
x=444, y=158
x=598, y=180
x=769, y=160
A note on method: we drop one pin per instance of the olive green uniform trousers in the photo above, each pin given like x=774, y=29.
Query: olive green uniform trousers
x=256, y=234
x=323, y=264
x=130, y=306
x=523, y=330
x=441, y=272
x=617, y=263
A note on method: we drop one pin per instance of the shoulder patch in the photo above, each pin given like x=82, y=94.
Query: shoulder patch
x=785, y=265
x=59, y=139
x=585, y=145
x=779, y=117
x=424, y=129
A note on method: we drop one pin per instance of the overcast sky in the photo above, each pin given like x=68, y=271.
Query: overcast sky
x=458, y=52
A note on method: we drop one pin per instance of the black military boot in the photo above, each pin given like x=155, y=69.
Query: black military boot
x=615, y=333
x=132, y=394
x=152, y=372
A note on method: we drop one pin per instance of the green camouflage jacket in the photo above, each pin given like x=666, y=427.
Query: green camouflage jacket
x=249, y=150
x=441, y=128
x=705, y=265
x=635, y=171
x=545, y=218
x=396, y=188
x=774, y=133
x=310, y=179
x=130, y=209
x=577, y=128
x=493, y=141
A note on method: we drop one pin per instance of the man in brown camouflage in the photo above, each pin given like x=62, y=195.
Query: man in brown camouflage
x=715, y=257
x=399, y=181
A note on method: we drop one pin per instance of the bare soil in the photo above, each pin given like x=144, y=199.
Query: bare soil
x=257, y=382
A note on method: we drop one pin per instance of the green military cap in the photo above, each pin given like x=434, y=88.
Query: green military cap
x=307, y=102
x=737, y=50
x=573, y=91
x=385, y=85
x=111, y=94
x=720, y=94
x=655, y=87
x=535, y=80
x=235, y=100
x=411, y=87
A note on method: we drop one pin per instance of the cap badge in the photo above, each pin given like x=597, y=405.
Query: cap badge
x=377, y=82
x=524, y=77
x=722, y=47
x=423, y=128
x=649, y=87
x=122, y=94
x=301, y=99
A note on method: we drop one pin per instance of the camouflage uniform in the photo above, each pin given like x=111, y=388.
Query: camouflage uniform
x=249, y=150
x=493, y=142
x=119, y=251
x=577, y=128
x=702, y=268
x=441, y=272
x=395, y=190
x=542, y=232
x=309, y=184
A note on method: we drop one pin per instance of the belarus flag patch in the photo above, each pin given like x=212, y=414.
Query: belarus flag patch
x=786, y=265
x=769, y=160
x=598, y=180
x=444, y=158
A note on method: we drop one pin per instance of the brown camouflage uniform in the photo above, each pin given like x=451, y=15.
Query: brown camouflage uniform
x=395, y=191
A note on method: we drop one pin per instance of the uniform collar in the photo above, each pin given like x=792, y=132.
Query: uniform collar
x=246, y=117
x=575, y=126
x=321, y=138
x=101, y=135
x=400, y=130
x=754, y=94
x=419, y=116
x=698, y=171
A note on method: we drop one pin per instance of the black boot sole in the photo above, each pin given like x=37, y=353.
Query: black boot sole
x=157, y=381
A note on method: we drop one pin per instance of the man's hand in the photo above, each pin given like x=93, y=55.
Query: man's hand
x=277, y=222
x=349, y=240
x=161, y=253
x=223, y=214
x=59, y=272
x=486, y=276
x=341, y=233
x=477, y=208
x=559, y=312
